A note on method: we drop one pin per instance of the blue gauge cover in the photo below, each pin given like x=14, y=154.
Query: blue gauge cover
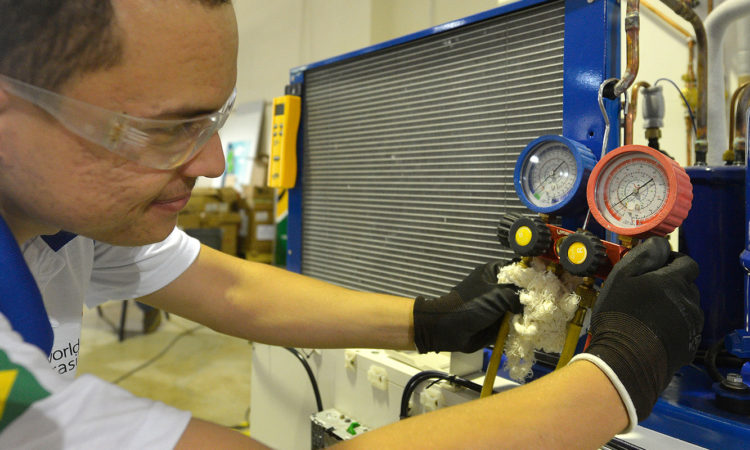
x=574, y=200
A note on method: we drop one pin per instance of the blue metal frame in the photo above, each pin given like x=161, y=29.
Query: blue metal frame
x=739, y=341
x=591, y=55
x=687, y=409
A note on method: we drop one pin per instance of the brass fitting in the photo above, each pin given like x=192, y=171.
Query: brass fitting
x=588, y=295
x=653, y=133
x=728, y=156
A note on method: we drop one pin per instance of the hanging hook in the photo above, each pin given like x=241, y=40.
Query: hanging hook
x=609, y=86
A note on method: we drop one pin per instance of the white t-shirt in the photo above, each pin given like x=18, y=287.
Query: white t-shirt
x=46, y=407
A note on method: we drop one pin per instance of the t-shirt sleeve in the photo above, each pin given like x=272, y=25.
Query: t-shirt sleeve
x=43, y=410
x=121, y=273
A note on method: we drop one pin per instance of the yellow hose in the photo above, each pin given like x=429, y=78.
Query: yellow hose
x=497, y=354
x=571, y=341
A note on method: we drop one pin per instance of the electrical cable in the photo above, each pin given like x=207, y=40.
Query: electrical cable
x=157, y=356
x=710, y=361
x=244, y=425
x=619, y=444
x=427, y=375
x=310, y=374
x=690, y=110
x=106, y=320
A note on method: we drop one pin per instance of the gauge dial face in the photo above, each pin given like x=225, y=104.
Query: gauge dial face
x=632, y=190
x=548, y=174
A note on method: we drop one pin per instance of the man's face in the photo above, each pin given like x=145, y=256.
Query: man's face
x=179, y=61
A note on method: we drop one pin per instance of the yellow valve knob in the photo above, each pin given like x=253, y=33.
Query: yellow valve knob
x=523, y=236
x=582, y=253
x=526, y=236
x=577, y=253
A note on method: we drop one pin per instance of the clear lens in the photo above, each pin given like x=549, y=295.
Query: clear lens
x=160, y=144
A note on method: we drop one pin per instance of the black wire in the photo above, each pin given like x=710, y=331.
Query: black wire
x=426, y=375
x=314, y=383
x=106, y=320
x=619, y=444
x=690, y=110
x=158, y=355
x=710, y=361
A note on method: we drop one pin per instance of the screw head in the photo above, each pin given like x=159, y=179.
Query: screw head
x=734, y=381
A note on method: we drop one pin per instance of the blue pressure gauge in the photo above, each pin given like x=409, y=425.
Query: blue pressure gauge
x=551, y=175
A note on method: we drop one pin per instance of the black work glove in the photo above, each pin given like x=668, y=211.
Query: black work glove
x=646, y=323
x=469, y=316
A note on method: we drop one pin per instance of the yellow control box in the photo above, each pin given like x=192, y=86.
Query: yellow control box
x=282, y=166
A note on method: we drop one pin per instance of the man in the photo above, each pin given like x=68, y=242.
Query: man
x=108, y=113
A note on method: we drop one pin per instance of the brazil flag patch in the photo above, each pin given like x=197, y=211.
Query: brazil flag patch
x=19, y=389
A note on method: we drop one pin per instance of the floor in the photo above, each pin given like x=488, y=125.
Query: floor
x=182, y=364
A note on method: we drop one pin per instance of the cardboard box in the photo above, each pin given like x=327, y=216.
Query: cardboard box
x=257, y=196
x=197, y=204
x=212, y=200
x=229, y=239
x=266, y=258
x=228, y=195
x=262, y=229
x=262, y=238
x=189, y=220
x=228, y=223
x=210, y=219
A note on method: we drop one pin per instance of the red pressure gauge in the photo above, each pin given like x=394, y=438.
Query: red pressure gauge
x=639, y=192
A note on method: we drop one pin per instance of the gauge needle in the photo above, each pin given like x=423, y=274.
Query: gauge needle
x=549, y=176
x=635, y=192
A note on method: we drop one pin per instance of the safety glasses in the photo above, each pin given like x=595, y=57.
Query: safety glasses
x=156, y=143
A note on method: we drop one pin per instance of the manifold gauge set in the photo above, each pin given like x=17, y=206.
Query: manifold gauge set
x=633, y=191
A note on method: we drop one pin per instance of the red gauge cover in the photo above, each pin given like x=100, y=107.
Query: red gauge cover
x=675, y=207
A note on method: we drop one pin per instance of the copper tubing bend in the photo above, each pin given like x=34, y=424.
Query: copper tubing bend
x=633, y=111
x=632, y=28
x=684, y=11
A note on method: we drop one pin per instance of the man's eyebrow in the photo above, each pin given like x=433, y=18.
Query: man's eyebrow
x=190, y=112
x=184, y=113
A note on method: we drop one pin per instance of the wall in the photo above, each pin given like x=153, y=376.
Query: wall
x=276, y=35
x=280, y=34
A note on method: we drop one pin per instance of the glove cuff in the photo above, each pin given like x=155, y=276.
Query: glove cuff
x=619, y=387
x=421, y=329
x=637, y=356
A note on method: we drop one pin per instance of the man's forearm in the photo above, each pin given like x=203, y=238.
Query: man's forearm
x=575, y=407
x=266, y=304
x=202, y=434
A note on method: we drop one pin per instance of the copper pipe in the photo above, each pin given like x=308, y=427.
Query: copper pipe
x=688, y=141
x=689, y=77
x=690, y=81
x=684, y=11
x=709, y=6
x=632, y=111
x=632, y=27
x=732, y=111
x=666, y=19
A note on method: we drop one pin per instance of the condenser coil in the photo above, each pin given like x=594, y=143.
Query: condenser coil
x=407, y=148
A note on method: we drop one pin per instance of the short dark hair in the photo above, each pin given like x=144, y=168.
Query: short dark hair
x=46, y=42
